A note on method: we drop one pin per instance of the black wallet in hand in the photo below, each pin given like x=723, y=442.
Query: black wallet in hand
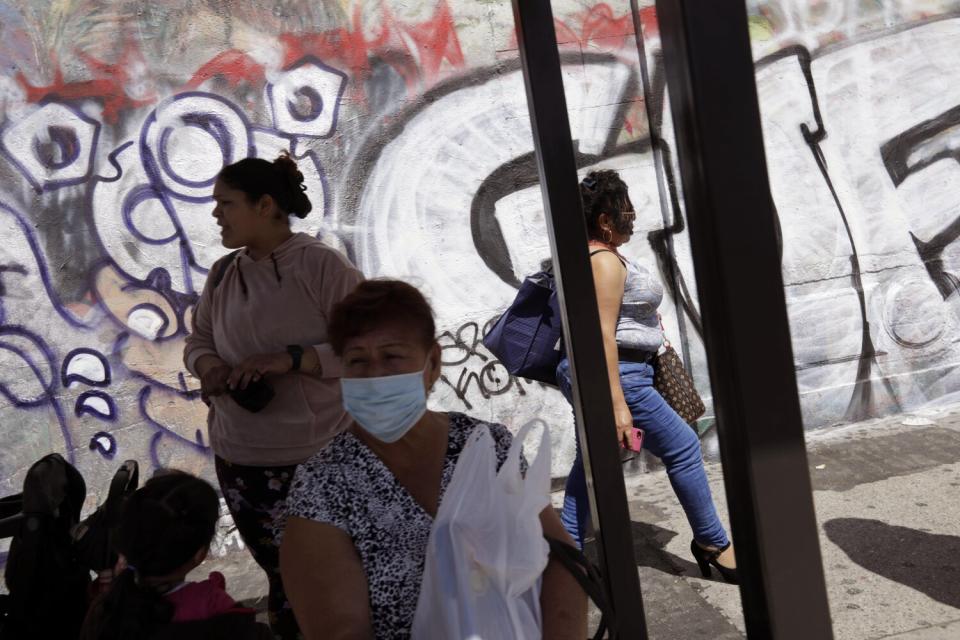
x=255, y=397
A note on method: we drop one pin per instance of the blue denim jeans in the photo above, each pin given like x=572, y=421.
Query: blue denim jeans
x=666, y=436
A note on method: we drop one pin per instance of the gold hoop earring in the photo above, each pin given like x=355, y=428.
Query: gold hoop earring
x=607, y=236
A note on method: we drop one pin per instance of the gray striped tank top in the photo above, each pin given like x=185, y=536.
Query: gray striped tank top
x=639, y=325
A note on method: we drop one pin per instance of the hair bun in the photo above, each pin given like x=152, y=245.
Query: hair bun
x=292, y=178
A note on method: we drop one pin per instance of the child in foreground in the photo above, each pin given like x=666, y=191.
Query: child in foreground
x=165, y=533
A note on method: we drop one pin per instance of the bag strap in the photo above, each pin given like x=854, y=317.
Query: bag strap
x=666, y=340
x=619, y=257
x=589, y=579
x=222, y=267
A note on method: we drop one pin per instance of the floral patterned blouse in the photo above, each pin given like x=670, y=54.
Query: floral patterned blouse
x=348, y=486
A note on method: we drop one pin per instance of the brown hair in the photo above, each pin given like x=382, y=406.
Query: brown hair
x=603, y=191
x=163, y=525
x=280, y=179
x=375, y=303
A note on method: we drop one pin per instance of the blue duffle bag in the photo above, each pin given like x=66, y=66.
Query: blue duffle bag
x=527, y=337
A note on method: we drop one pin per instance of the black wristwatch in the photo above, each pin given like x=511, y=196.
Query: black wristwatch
x=296, y=352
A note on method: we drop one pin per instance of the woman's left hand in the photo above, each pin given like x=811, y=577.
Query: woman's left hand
x=255, y=367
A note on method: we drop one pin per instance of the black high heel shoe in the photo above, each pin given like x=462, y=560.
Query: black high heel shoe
x=707, y=558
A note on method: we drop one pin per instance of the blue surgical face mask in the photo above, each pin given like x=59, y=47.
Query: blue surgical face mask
x=386, y=407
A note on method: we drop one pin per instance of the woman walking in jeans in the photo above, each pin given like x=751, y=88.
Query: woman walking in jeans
x=628, y=297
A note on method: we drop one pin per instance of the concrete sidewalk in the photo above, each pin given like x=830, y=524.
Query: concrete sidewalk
x=887, y=495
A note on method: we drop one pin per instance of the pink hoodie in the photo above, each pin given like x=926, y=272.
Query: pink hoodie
x=201, y=600
x=261, y=307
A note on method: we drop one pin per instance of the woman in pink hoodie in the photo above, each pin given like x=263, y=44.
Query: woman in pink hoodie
x=259, y=346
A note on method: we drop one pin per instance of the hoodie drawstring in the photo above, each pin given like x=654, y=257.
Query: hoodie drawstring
x=276, y=269
x=243, y=283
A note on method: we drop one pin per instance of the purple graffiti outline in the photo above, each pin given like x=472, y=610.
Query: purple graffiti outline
x=14, y=330
x=80, y=408
x=49, y=397
x=316, y=104
x=209, y=125
x=53, y=184
x=151, y=164
x=28, y=232
x=112, y=160
x=166, y=196
x=162, y=431
x=149, y=306
x=157, y=281
x=187, y=261
x=156, y=188
x=183, y=391
x=107, y=452
x=91, y=218
x=302, y=62
x=134, y=198
x=66, y=140
x=14, y=267
x=69, y=378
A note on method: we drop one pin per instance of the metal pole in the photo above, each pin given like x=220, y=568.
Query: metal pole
x=713, y=99
x=667, y=210
x=568, y=241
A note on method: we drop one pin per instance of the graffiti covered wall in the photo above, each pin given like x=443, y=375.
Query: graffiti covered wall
x=409, y=120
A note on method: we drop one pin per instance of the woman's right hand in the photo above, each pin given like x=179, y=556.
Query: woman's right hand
x=214, y=382
x=623, y=418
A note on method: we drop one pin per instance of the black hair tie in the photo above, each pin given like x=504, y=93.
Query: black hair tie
x=589, y=182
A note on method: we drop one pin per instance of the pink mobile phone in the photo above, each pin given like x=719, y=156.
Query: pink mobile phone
x=636, y=440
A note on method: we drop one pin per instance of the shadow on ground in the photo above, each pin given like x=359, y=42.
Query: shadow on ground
x=650, y=550
x=927, y=562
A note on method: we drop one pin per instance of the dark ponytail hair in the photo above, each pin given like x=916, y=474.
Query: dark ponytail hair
x=280, y=179
x=603, y=192
x=164, y=525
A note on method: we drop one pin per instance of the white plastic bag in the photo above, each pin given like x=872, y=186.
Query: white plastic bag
x=486, y=553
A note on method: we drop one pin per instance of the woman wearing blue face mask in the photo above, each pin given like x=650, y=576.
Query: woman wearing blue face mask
x=360, y=512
